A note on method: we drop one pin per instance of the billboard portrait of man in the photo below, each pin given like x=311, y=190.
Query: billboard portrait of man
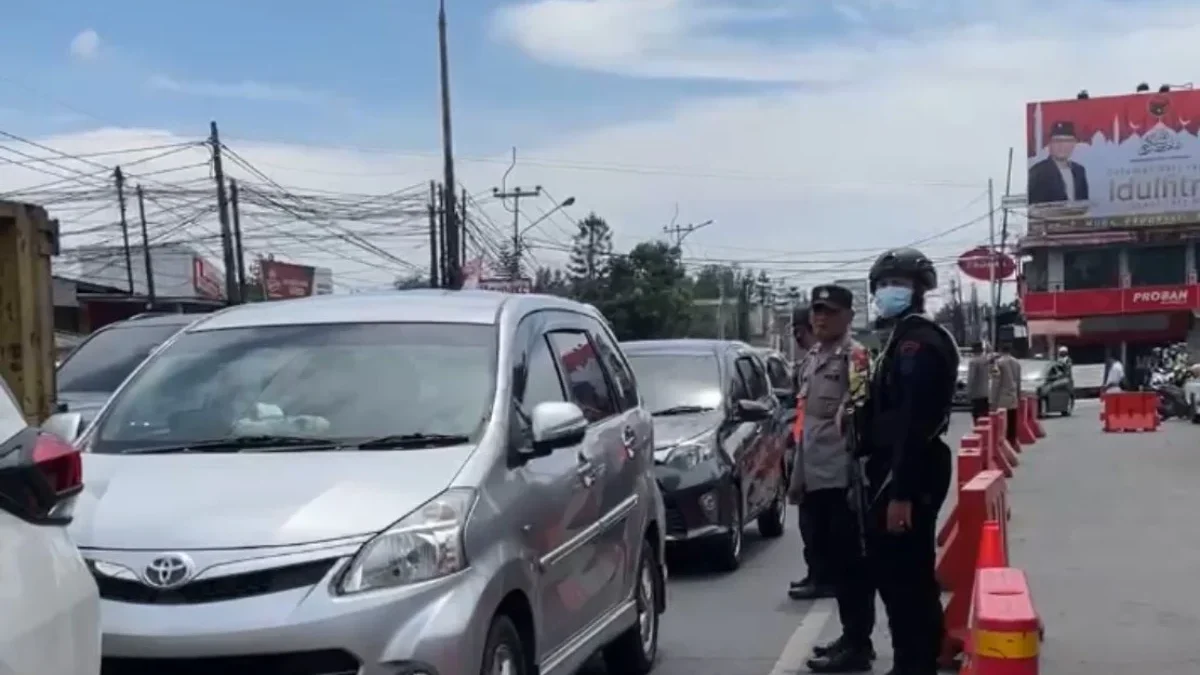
x=1057, y=178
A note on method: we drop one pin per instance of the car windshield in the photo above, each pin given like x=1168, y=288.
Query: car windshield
x=104, y=361
x=343, y=382
x=672, y=381
x=1033, y=370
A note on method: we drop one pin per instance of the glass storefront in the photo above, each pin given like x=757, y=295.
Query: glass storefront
x=1091, y=268
x=1158, y=265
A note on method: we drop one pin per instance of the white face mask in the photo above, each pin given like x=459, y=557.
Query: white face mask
x=891, y=301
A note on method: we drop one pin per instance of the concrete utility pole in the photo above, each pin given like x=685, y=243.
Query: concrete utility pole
x=452, y=272
x=238, y=254
x=435, y=249
x=516, y=194
x=119, y=178
x=150, y=298
x=680, y=232
x=231, y=289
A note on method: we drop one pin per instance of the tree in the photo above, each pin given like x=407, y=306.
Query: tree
x=508, y=262
x=551, y=282
x=591, y=253
x=411, y=281
x=648, y=296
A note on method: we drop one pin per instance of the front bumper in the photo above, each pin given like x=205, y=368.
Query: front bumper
x=431, y=627
x=696, y=502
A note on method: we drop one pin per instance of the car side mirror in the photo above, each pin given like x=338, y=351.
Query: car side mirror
x=65, y=425
x=554, y=425
x=749, y=410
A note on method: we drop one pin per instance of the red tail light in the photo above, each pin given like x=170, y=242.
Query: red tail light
x=40, y=474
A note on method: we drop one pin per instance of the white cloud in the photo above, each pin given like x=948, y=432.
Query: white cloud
x=895, y=144
x=85, y=46
x=248, y=90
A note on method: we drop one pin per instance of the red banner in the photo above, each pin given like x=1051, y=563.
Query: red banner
x=1110, y=301
x=282, y=280
x=978, y=262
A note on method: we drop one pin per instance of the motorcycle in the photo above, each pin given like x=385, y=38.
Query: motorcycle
x=1172, y=399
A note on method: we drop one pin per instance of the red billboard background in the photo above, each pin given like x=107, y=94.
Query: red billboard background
x=282, y=280
x=1111, y=301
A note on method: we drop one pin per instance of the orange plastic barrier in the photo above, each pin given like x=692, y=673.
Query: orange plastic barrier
x=1027, y=429
x=1006, y=449
x=1005, y=628
x=993, y=457
x=981, y=500
x=970, y=463
x=1130, y=411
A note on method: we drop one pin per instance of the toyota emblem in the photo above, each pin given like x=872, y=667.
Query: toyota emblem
x=169, y=571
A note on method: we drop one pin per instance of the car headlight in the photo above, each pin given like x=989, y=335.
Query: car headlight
x=426, y=544
x=690, y=453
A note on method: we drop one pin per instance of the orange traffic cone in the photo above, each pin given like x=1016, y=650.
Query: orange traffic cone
x=992, y=552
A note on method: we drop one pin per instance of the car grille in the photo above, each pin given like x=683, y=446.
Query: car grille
x=676, y=524
x=259, y=582
x=327, y=662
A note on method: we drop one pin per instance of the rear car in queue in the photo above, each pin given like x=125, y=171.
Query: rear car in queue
x=719, y=448
x=1050, y=383
x=405, y=483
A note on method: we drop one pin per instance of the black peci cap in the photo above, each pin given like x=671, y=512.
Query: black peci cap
x=832, y=295
x=1062, y=129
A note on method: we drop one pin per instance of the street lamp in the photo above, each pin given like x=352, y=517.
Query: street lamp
x=566, y=203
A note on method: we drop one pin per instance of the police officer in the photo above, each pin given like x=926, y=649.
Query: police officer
x=815, y=583
x=833, y=384
x=908, y=468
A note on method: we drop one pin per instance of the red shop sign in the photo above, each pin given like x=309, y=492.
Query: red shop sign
x=977, y=263
x=1110, y=301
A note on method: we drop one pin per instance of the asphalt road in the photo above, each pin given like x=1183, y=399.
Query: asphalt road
x=743, y=623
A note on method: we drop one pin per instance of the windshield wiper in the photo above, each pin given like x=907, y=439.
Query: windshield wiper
x=681, y=410
x=412, y=441
x=239, y=443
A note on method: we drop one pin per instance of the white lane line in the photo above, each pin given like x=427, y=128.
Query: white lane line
x=799, y=647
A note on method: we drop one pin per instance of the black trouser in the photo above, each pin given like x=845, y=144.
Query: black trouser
x=1011, y=426
x=835, y=529
x=815, y=560
x=904, y=569
x=979, y=408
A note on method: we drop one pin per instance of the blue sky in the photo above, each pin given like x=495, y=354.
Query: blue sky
x=368, y=74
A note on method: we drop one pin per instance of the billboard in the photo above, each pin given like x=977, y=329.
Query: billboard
x=1113, y=162
x=281, y=280
x=862, y=302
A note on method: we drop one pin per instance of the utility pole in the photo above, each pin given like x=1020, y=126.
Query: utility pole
x=238, y=254
x=464, y=235
x=680, y=232
x=231, y=294
x=119, y=178
x=434, y=250
x=443, y=238
x=146, y=250
x=516, y=194
x=993, y=331
x=453, y=270
x=1004, y=219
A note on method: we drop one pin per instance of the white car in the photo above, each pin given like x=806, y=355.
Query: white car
x=50, y=614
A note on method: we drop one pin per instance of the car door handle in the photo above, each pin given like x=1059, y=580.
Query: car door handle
x=586, y=472
x=628, y=436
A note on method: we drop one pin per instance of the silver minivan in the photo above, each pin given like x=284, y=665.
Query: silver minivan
x=407, y=483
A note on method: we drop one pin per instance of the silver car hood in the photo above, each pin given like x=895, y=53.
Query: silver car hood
x=220, y=501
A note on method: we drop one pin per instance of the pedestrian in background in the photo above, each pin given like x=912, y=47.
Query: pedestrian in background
x=908, y=466
x=834, y=388
x=1006, y=388
x=1114, y=377
x=977, y=381
x=816, y=580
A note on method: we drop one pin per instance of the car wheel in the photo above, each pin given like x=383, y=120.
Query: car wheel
x=634, y=650
x=772, y=523
x=1070, y=407
x=729, y=545
x=504, y=652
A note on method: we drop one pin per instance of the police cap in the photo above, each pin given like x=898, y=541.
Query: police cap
x=832, y=295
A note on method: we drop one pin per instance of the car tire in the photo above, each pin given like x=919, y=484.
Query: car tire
x=772, y=523
x=1070, y=407
x=504, y=648
x=635, y=650
x=729, y=544
x=1042, y=407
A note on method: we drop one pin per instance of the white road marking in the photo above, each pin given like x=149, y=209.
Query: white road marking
x=799, y=647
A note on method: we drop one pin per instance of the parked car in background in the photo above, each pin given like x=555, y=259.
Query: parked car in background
x=1088, y=379
x=960, y=384
x=50, y=614
x=1192, y=390
x=94, y=369
x=719, y=449
x=408, y=482
x=1049, y=382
